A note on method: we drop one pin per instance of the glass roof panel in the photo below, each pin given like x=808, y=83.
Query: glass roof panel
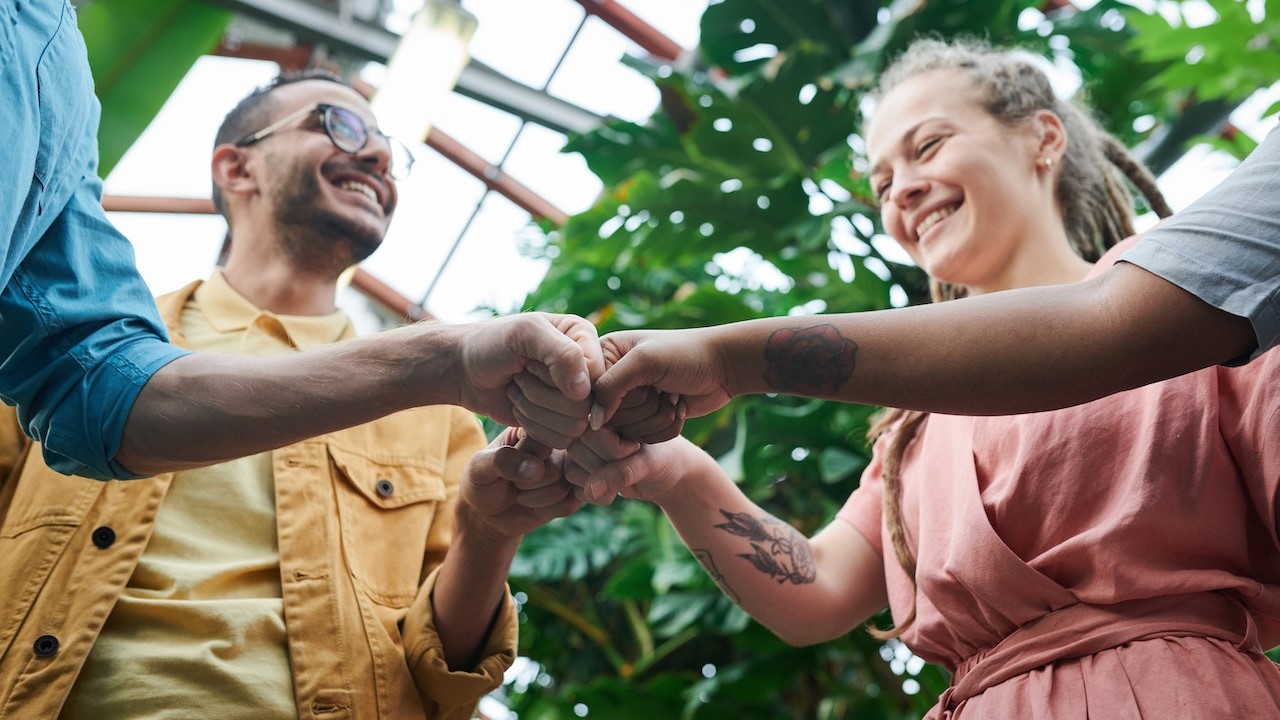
x=481, y=128
x=488, y=269
x=435, y=203
x=523, y=40
x=562, y=178
x=677, y=19
x=593, y=77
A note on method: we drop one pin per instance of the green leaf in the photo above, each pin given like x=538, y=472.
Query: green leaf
x=837, y=464
x=570, y=547
x=139, y=50
x=673, y=612
x=1239, y=146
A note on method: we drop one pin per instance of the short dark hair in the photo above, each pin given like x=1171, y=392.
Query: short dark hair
x=254, y=111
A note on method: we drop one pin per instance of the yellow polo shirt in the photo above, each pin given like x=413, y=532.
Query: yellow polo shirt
x=199, y=631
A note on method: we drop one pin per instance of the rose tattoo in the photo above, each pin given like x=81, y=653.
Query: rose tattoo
x=812, y=361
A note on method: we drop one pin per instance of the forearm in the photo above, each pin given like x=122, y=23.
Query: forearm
x=801, y=591
x=204, y=408
x=1021, y=351
x=470, y=590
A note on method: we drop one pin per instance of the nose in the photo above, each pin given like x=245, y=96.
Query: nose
x=908, y=189
x=376, y=154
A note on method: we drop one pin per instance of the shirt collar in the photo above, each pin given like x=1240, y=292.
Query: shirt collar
x=229, y=311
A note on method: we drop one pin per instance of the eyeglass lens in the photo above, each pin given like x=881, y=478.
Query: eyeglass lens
x=346, y=129
x=349, y=132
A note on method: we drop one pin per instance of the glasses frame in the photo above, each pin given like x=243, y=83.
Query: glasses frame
x=327, y=111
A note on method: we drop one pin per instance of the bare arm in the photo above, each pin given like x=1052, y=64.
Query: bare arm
x=1018, y=351
x=508, y=490
x=805, y=591
x=205, y=408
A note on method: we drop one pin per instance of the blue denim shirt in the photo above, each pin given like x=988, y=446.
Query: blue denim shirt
x=79, y=331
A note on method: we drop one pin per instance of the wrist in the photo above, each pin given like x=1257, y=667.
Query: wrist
x=476, y=532
x=434, y=359
x=694, y=480
x=734, y=352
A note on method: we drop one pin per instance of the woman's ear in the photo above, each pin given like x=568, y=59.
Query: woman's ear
x=1051, y=138
x=230, y=170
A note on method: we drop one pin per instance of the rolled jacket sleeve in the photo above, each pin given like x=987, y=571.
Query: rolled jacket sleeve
x=448, y=694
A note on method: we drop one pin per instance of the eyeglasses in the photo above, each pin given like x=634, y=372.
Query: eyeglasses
x=346, y=130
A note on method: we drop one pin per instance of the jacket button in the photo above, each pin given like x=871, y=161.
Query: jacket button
x=385, y=488
x=45, y=646
x=104, y=536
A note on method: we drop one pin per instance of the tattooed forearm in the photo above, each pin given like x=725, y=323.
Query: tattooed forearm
x=709, y=564
x=777, y=550
x=813, y=361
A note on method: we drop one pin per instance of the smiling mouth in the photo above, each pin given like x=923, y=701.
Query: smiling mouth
x=934, y=218
x=363, y=189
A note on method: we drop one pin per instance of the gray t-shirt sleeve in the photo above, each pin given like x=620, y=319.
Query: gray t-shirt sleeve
x=1225, y=247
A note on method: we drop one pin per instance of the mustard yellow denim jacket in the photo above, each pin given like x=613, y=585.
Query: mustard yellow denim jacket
x=357, y=566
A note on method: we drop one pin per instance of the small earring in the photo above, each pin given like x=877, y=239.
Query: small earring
x=1048, y=163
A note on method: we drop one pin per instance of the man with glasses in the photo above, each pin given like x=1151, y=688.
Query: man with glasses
x=83, y=354
x=361, y=573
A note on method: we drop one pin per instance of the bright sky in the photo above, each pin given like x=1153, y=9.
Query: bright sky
x=523, y=40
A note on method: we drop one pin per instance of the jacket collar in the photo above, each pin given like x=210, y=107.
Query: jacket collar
x=229, y=311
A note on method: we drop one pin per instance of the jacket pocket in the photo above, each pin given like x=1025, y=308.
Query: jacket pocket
x=40, y=511
x=386, y=510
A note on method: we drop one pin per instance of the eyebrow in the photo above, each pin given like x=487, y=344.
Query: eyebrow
x=905, y=140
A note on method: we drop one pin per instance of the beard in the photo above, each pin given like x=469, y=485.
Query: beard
x=317, y=238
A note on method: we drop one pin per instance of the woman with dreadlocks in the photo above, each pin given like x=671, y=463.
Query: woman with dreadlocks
x=1116, y=559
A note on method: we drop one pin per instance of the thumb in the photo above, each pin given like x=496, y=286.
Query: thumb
x=625, y=375
x=564, y=345
x=584, y=333
x=485, y=467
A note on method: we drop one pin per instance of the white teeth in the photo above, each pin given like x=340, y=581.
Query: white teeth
x=360, y=188
x=932, y=219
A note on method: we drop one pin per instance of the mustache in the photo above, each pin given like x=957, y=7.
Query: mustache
x=351, y=166
x=344, y=165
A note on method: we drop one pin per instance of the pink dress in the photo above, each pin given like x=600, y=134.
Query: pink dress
x=1115, y=560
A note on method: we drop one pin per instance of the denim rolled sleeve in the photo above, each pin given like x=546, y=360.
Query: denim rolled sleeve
x=79, y=331
x=1225, y=247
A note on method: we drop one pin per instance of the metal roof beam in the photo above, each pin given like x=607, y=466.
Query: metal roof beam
x=370, y=42
x=637, y=30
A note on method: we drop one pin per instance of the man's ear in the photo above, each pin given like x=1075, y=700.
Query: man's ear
x=1051, y=136
x=230, y=170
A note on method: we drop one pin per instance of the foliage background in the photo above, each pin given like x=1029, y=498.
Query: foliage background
x=743, y=197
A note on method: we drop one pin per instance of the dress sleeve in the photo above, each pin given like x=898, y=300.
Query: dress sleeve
x=863, y=510
x=446, y=694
